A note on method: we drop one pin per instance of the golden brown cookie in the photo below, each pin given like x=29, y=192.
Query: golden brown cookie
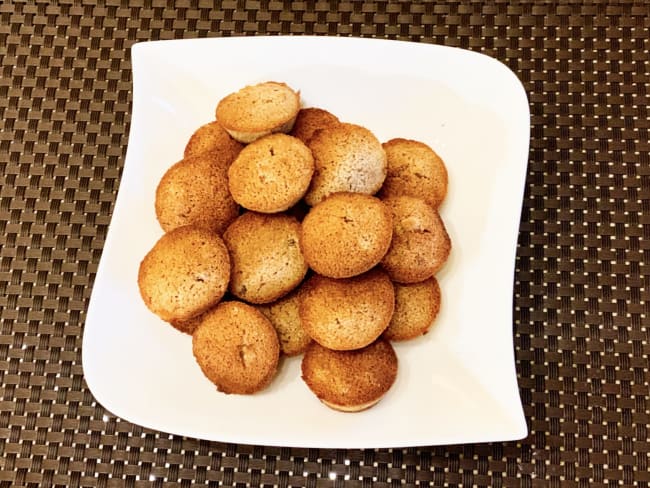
x=310, y=120
x=414, y=169
x=346, y=234
x=350, y=381
x=184, y=274
x=212, y=137
x=267, y=262
x=285, y=316
x=258, y=110
x=195, y=191
x=420, y=244
x=349, y=313
x=271, y=174
x=348, y=158
x=416, y=307
x=237, y=348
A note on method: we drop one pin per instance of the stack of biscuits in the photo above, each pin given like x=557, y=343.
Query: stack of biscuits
x=289, y=232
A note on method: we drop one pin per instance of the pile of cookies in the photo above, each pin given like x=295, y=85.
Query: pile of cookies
x=290, y=232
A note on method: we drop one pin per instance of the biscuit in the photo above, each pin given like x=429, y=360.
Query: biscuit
x=267, y=262
x=258, y=110
x=271, y=174
x=348, y=158
x=310, y=120
x=350, y=381
x=185, y=273
x=420, y=244
x=212, y=137
x=414, y=169
x=346, y=234
x=285, y=317
x=195, y=191
x=237, y=348
x=349, y=313
x=416, y=307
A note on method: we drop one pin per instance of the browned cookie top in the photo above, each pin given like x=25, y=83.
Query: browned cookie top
x=185, y=273
x=350, y=380
x=347, y=313
x=267, y=262
x=416, y=307
x=212, y=137
x=414, y=169
x=310, y=120
x=258, y=110
x=285, y=316
x=348, y=158
x=237, y=348
x=271, y=174
x=195, y=191
x=420, y=244
x=346, y=234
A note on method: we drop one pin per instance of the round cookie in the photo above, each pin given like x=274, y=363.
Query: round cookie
x=310, y=120
x=195, y=191
x=346, y=234
x=350, y=381
x=237, y=348
x=212, y=137
x=348, y=158
x=420, y=244
x=285, y=316
x=271, y=174
x=258, y=110
x=347, y=314
x=416, y=307
x=414, y=169
x=267, y=262
x=184, y=274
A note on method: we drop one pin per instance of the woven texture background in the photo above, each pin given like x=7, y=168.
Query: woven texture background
x=581, y=314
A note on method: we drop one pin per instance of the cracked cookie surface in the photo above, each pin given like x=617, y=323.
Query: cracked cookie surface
x=347, y=158
x=267, y=262
x=414, y=169
x=195, y=191
x=349, y=313
x=350, y=381
x=237, y=348
x=420, y=244
x=416, y=308
x=271, y=174
x=185, y=273
x=346, y=234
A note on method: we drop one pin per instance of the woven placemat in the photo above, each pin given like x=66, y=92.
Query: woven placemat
x=581, y=314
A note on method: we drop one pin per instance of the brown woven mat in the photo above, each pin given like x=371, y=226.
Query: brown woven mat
x=581, y=314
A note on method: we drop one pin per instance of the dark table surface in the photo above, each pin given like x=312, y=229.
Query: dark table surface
x=581, y=285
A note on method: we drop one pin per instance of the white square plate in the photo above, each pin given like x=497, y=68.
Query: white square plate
x=457, y=383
